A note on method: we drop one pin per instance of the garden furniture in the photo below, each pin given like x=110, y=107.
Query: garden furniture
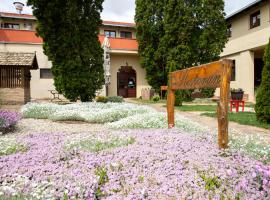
x=55, y=95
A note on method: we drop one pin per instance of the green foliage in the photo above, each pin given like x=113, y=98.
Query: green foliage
x=187, y=33
x=181, y=96
x=103, y=178
x=211, y=183
x=70, y=33
x=156, y=98
x=101, y=99
x=115, y=99
x=149, y=20
x=262, y=106
x=208, y=92
x=245, y=118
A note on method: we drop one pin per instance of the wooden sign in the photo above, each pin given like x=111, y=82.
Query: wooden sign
x=212, y=75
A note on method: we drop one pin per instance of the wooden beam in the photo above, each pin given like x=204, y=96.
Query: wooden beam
x=222, y=110
x=170, y=104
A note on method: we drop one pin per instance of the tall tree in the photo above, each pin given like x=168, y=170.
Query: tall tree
x=186, y=32
x=150, y=29
x=262, y=106
x=69, y=29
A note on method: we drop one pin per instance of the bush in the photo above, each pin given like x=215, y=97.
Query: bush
x=156, y=98
x=101, y=99
x=8, y=120
x=115, y=99
x=208, y=92
x=262, y=106
x=181, y=96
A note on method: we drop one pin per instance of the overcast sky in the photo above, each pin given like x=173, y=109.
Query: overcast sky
x=124, y=10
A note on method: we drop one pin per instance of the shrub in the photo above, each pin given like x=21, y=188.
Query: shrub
x=262, y=106
x=115, y=99
x=101, y=99
x=181, y=96
x=156, y=98
x=208, y=92
x=8, y=120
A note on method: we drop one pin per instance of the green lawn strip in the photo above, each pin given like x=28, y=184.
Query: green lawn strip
x=149, y=101
x=209, y=108
x=244, y=118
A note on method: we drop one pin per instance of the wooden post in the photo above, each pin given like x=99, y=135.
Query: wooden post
x=222, y=110
x=170, y=104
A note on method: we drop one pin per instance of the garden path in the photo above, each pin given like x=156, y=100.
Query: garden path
x=211, y=122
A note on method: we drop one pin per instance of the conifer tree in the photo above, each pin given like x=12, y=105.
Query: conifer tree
x=150, y=29
x=186, y=32
x=70, y=29
x=262, y=106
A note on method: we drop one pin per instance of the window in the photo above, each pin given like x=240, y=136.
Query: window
x=229, y=30
x=109, y=33
x=46, y=74
x=255, y=19
x=28, y=27
x=11, y=26
x=125, y=34
x=233, y=75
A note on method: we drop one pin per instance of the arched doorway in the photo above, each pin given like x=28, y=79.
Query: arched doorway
x=126, y=82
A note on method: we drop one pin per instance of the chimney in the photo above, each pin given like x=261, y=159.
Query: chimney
x=19, y=7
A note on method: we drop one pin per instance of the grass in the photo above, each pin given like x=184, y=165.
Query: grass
x=244, y=118
x=208, y=108
x=164, y=101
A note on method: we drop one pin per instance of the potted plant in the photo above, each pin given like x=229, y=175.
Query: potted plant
x=237, y=94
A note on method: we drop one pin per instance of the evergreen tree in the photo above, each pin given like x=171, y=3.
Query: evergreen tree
x=262, y=106
x=186, y=32
x=70, y=29
x=149, y=24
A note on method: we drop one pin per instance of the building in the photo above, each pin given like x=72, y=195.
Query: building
x=127, y=78
x=249, y=33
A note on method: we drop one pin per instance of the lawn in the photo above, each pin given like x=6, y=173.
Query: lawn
x=197, y=108
x=245, y=118
x=125, y=151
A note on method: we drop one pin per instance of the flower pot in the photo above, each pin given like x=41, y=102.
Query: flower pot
x=237, y=95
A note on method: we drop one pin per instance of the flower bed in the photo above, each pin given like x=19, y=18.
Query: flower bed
x=8, y=120
x=161, y=164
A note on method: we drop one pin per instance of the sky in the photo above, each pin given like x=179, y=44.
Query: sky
x=123, y=10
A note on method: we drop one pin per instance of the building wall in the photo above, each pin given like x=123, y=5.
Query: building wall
x=241, y=23
x=133, y=60
x=117, y=30
x=39, y=87
x=242, y=45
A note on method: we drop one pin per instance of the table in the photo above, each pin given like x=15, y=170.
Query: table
x=236, y=104
x=55, y=95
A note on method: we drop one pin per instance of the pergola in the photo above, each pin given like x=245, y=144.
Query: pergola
x=15, y=76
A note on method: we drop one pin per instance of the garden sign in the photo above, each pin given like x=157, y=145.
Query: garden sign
x=212, y=75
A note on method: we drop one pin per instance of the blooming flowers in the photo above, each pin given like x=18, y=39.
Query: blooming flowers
x=8, y=120
x=161, y=164
x=131, y=160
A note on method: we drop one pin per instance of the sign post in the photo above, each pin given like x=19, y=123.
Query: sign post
x=212, y=75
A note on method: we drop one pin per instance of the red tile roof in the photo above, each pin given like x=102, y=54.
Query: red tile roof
x=21, y=36
x=16, y=15
x=29, y=16
x=124, y=24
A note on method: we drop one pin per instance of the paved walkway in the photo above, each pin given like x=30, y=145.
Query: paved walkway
x=210, y=122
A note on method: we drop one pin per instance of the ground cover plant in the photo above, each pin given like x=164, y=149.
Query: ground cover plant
x=245, y=118
x=171, y=164
x=134, y=157
x=8, y=120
